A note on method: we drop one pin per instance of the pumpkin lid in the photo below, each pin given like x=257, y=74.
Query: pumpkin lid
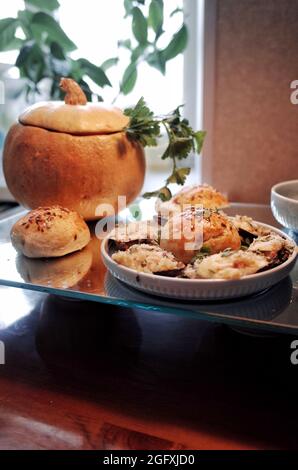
x=75, y=115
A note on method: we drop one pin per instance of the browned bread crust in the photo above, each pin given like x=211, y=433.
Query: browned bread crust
x=49, y=232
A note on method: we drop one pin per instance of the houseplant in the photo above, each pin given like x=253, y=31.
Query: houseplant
x=45, y=51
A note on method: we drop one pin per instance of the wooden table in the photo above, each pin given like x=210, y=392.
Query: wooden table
x=82, y=375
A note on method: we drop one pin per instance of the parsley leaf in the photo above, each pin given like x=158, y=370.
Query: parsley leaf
x=201, y=254
x=142, y=127
x=145, y=128
x=178, y=176
x=163, y=193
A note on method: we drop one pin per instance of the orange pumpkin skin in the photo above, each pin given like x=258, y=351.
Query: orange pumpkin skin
x=80, y=172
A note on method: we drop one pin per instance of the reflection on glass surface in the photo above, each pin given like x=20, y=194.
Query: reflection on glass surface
x=61, y=273
x=87, y=335
x=83, y=276
x=262, y=307
x=15, y=304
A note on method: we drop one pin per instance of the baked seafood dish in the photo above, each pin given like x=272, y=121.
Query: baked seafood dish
x=197, y=195
x=149, y=259
x=201, y=244
x=187, y=232
x=125, y=235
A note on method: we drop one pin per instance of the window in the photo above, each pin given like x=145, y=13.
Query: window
x=96, y=29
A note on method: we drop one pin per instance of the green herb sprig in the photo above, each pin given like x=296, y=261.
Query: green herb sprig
x=145, y=128
x=201, y=254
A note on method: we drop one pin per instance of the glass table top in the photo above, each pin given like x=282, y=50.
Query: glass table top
x=83, y=276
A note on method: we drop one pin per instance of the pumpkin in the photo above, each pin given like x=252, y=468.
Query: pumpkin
x=75, y=154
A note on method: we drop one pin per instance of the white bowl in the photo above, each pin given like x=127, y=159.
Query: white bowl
x=199, y=289
x=284, y=203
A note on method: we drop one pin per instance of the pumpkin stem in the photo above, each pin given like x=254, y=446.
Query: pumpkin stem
x=74, y=93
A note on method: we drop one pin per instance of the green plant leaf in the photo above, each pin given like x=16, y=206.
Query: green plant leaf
x=14, y=45
x=139, y=25
x=86, y=89
x=199, y=137
x=8, y=28
x=24, y=53
x=125, y=43
x=59, y=67
x=31, y=62
x=57, y=51
x=155, y=19
x=145, y=128
x=177, y=10
x=137, y=52
x=177, y=44
x=56, y=93
x=135, y=211
x=49, y=5
x=129, y=79
x=156, y=60
x=128, y=6
x=25, y=19
x=46, y=23
x=142, y=127
x=107, y=64
x=94, y=72
x=163, y=193
x=76, y=72
x=179, y=176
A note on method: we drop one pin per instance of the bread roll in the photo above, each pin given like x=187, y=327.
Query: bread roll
x=49, y=232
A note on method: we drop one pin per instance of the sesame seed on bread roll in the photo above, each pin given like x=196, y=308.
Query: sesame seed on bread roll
x=49, y=232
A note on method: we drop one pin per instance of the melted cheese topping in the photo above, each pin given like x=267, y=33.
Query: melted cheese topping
x=147, y=259
x=227, y=265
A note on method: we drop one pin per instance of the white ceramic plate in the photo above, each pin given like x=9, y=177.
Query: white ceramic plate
x=199, y=289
